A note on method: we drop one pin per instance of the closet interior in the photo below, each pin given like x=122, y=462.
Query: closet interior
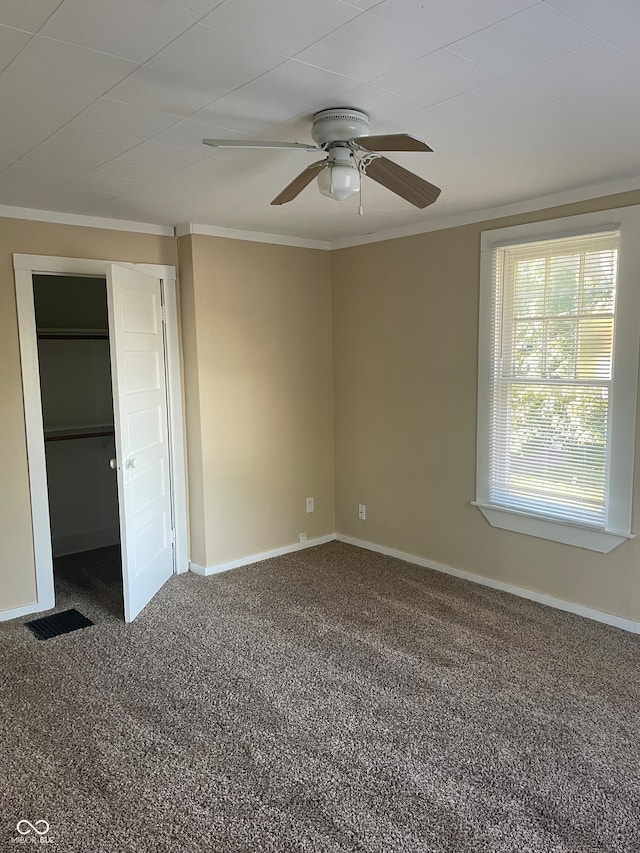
x=77, y=407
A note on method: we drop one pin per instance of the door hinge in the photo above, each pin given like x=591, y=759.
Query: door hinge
x=173, y=536
x=164, y=314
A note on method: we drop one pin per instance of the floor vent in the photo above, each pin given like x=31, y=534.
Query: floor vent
x=58, y=623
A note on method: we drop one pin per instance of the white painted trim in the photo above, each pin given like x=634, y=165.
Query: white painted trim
x=17, y=612
x=60, y=218
x=53, y=265
x=624, y=388
x=34, y=428
x=25, y=266
x=585, y=193
x=580, y=535
x=176, y=427
x=521, y=592
x=251, y=236
x=588, y=193
x=205, y=571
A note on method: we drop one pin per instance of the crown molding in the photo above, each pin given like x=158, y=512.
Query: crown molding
x=252, y=236
x=587, y=193
x=60, y=218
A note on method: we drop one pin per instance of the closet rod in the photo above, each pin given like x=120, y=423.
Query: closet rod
x=79, y=336
x=74, y=435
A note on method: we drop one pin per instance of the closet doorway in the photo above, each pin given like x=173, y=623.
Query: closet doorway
x=103, y=412
x=72, y=327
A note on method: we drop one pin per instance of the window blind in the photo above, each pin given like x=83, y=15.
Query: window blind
x=551, y=376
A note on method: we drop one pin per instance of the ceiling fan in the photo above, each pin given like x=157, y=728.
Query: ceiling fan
x=343, y=134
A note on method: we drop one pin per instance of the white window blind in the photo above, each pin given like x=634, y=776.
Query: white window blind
x=553, y=311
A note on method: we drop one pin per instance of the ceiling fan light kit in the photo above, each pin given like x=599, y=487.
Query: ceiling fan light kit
x=343, y=135
x=339, y=182
x=341, y=177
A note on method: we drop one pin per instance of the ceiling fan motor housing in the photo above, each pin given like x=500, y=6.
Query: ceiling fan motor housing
x=339, y=125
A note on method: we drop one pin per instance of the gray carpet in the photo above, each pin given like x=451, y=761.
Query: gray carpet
x=329, y=700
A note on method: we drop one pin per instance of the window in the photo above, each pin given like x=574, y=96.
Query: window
x=558, y=377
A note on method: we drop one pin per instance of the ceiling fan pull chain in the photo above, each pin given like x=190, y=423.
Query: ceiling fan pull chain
x=360, y=210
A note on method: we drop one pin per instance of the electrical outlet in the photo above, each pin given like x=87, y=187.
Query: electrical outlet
x=310, y=505
x=362, y=512
x=303, y=537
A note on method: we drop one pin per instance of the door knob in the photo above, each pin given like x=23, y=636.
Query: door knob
x=113, y=464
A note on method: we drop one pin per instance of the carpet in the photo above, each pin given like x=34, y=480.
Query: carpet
x=328, y=700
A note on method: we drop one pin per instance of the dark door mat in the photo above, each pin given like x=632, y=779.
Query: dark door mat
x=58, y=623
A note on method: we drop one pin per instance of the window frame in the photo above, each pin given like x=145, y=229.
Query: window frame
x=621, y=445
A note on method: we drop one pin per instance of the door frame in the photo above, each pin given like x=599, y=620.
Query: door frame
x=25, y=267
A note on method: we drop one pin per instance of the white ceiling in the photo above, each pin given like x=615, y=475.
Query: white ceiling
x=104, y=104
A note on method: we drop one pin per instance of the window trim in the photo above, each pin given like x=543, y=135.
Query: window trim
x=617, y=528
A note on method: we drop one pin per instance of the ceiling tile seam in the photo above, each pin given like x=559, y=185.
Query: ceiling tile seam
x=13, y=58
x=594, y=38
x=105, y=93
x=519, y=110
x=302, y=49
x=475, y=32
x=53, y=11
x=505, y=76
x=33, y=32
x=242, y=134
x=147, y=62
x=424, y=106
x=577, y=23
x=354, y=6
x=134, y=106
x=284, y=57
x=552, y=99
x=17, y=30
x=84, y=47
x=95, y=169
x=253, y=80
x=69, y=120
x=431, y=53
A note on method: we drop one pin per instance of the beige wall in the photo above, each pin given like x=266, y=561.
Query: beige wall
x=17, y=573
x=260, y=389
x=405, y=326
x=256, y=322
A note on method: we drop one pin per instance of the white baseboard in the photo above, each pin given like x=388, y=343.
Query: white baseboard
x=541, y=598
x=87, y=540
x=205, y=571
x=17, y=612
x=521, y=592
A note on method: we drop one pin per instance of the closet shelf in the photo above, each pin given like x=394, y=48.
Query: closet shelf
x=72, y=334
x=68, y=433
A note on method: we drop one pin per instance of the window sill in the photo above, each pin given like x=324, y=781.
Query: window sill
x=592, y=538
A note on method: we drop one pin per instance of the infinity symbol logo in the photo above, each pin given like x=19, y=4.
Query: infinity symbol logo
x=24, y=827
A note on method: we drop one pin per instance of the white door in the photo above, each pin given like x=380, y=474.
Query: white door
x=136, y=333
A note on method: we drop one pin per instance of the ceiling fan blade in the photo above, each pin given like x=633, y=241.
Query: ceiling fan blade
x=300, y=182
x=391, y=142
x=249, y=143
x=401, y=181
